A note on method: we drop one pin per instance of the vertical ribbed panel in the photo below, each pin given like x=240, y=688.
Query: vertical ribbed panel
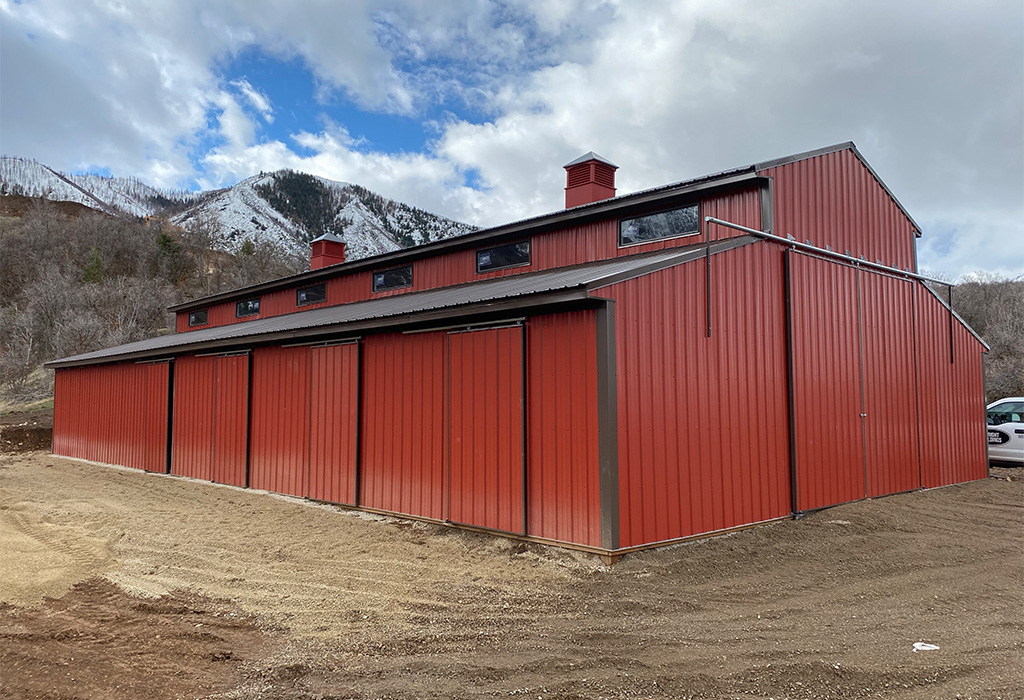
x=890, y=393
x=333, y=417
x=569, y=246
x=702, y=421
x=403, y=445
x=230, y=417
x=192, y=432
x=116, y=414
x=834, y=200
x=279, y=439
x=485, y=428
x=563, y=487
x=952, y=396
x=827, y=383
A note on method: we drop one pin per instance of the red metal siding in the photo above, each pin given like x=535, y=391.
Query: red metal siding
x=333, y=417
x=231, y=421
x=952, y=397
x=193, y=429
x=569, y=246
x=890, y=390
x=279, y=440
x=834, y=200
x=827, y=383
x=485, y=429
x=403, y=451
x=563, y=487
x=702, y=421
x=115, y=414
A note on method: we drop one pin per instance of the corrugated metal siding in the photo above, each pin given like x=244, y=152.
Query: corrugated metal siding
x=563, y=487
x=231, y=419
x=403, y=447
x=952, y=397
x=116, y=414
x=702, y=421
x=827, y=383
x=890, y=386
x=279, y=440
x=334, y=421
x=834, y=200
x=570, y=246
x=193, y=429
x=485, y=428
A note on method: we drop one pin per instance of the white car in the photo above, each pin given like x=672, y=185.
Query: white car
x=1005, y=419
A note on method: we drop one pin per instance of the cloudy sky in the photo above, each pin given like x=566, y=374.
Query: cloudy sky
x=470, y=108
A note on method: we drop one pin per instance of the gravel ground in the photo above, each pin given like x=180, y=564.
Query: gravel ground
x=113, y=581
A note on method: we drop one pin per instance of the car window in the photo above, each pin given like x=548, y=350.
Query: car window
x=1009, y=412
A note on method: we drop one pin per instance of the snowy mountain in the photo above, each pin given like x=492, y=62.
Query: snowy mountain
x=286, y=208
x=113, y=195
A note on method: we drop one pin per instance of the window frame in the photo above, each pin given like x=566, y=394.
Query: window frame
x=298, y=291
x=193, y=315
x=618, y=232
x=529, y=256
x=238, y=304
x=373, y=279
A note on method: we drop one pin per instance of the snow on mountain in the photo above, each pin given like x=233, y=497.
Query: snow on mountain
x=114, y=195
x=285, y=208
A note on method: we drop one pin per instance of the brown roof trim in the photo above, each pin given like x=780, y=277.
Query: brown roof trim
x=844, y=146
x=660, y=196
x=352, y=329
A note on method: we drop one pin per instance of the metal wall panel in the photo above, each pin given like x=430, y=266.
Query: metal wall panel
x=116, y=414
x=570, y=246
x=834, y=200
x=485, y=428
x=279, y=438
x=231, y=419
x=952, y=396
x=333, y=423
x=702, y=420
x=403, y=443
x=193, y=429
x=827, y=383
x=563, y=481
x=890, y=387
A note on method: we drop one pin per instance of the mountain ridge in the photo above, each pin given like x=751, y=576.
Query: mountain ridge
x=286, y=208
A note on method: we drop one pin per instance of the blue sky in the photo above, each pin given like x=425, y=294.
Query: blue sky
x=469, y=108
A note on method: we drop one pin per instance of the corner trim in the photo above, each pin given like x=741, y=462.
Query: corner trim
x=607, y=426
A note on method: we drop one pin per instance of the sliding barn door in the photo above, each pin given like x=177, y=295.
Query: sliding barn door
x=485, y=428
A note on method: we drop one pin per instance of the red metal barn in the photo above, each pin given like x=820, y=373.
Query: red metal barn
x=628, y=371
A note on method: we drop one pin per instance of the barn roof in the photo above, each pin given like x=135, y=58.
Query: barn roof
x=531, y=291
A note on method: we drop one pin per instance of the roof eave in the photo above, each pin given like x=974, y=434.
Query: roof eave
x=542, y=300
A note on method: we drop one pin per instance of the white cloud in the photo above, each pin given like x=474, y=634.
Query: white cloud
x=256, y=99
x=933, y=93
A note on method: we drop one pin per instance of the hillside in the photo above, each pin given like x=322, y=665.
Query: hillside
x=289, y=209
x=285, y=208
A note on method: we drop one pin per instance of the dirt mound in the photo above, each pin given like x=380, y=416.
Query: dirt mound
x=99, y=642
x=26, y=430
x=17, y=439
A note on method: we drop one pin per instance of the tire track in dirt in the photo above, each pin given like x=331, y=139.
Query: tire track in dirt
x=368, y=606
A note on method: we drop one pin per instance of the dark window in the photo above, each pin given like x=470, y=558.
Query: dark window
x=510, y=255
x=197, y=318
x=311, y=295
x=664, y=224
x=392, y=279
x=249, y=307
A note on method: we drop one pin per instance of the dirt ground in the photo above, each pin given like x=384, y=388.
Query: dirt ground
x=26, y=430
x=119, y=584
